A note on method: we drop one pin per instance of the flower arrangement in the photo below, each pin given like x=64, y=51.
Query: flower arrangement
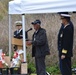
x=3, y=64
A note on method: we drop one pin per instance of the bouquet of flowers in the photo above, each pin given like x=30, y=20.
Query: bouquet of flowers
x=15, y=60
x=4, y=64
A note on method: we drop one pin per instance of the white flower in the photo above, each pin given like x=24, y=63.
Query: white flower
x=6, y=64
x=3, y=61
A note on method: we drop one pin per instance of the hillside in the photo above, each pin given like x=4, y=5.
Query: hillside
x=51, y=22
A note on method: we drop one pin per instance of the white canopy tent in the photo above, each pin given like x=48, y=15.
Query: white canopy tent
x=41, y=6
x=37, y=6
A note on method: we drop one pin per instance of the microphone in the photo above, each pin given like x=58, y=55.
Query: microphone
x=29, y=29
x=27, y=33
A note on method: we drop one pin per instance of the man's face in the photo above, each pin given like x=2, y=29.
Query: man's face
x=36, y=26
x=18, y=27
x=63, y=20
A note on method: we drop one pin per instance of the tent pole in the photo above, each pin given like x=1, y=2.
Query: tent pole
x=24, y=35
x=10, y=35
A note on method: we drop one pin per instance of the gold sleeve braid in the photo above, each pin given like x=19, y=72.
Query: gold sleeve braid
x=64, y=51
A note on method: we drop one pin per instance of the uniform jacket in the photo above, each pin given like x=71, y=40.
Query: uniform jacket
x=19, y=35
x=40, y=44
x=65, y=40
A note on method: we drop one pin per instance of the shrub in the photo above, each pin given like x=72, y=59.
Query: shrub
x=31, y=68
x=74, y=66
x=53, y=69
x=31, y=65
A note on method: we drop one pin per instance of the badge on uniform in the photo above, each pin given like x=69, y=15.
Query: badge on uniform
x=61, y=35
x=34, y=39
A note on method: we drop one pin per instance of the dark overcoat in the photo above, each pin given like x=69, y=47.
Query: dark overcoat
x=65, y=40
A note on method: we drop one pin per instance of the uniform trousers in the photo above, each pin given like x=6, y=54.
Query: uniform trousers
x=65, y=66
x=40, y=65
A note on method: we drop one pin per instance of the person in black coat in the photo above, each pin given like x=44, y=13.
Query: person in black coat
x=19, y=32
x=65, y=44
x=40, y=47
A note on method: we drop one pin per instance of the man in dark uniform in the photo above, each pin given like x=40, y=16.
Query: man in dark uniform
x=19, y=32
x=65, y=44
x=39, y=47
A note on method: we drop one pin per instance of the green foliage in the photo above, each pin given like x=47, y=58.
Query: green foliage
x=31, y=66
x=74, y=65
x=7, y=54
x=28, y=58
x=53, y=69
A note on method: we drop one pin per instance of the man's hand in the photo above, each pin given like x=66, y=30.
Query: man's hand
x=28, y=42
x=62, y=56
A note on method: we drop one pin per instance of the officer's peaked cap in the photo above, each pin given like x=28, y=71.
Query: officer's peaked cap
x=18, y=23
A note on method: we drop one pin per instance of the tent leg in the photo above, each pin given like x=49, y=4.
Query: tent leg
x=10, y=35
x=24, y=35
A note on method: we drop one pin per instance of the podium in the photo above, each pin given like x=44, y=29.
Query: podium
x=19, y=44
x=16, y=41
